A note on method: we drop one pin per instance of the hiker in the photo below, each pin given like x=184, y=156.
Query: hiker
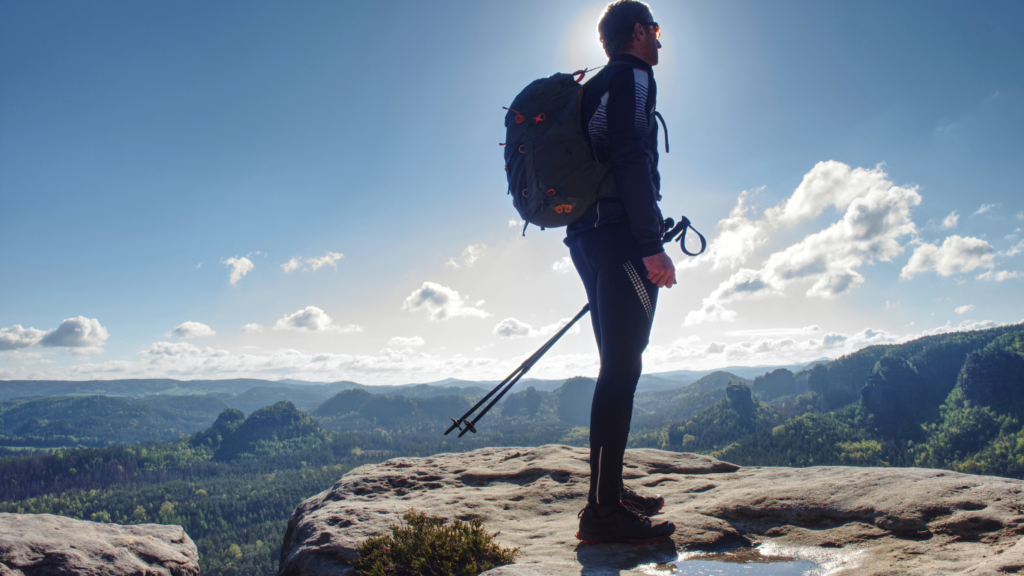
x=616, y=247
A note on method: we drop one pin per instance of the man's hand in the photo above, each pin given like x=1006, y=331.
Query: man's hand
x=660, y=270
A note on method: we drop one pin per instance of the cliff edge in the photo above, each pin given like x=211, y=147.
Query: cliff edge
x=882, y=520
x=44, y=544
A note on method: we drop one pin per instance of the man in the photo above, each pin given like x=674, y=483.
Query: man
x=616, y=247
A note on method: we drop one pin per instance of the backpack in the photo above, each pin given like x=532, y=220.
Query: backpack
x=553, y=176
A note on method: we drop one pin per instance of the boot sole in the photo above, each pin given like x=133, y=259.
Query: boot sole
x=588, y=539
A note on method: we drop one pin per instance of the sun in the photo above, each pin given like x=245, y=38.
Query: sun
x=583, y=44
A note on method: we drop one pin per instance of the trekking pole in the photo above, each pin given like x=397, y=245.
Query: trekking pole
x=458, y=423
x=672, y=232
x=510, y=380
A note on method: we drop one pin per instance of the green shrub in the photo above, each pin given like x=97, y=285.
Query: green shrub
x=426, y=546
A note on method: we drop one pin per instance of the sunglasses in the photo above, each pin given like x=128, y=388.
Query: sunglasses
x=657, y=29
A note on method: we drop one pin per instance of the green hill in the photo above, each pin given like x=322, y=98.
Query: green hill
x=102, y=420
x=280, y=428
x=948, y=401
x=735, y=416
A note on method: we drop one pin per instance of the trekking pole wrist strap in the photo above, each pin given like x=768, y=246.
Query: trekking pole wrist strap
x=677, y=232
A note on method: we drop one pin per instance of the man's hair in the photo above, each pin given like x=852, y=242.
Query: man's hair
x=617, y=22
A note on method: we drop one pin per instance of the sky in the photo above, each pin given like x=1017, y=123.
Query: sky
x=315, y=190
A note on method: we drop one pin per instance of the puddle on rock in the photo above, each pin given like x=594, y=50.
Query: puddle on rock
x=766, y=560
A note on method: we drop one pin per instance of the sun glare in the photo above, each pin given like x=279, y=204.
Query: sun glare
x=583, y=44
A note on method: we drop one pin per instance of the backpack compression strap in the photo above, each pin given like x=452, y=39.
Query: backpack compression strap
x=677, y=232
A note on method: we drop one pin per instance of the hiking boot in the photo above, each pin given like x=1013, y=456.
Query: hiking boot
x=621, y=524
x=646, y=505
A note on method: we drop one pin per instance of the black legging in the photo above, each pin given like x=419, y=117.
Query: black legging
x=622, y=303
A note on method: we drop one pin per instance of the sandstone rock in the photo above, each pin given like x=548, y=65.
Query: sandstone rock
x=882, y=520
x=44, y=544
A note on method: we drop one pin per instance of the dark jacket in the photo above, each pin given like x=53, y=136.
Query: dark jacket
x=618, y=116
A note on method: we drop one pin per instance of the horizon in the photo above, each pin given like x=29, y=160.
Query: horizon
x=447, y=381
x=315, y=192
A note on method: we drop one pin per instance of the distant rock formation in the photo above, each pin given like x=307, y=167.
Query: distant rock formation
x=994, y=378
x=889, y=520
x=44, y=544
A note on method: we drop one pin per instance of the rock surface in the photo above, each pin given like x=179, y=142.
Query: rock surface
x=44, y=544
x=854, y=520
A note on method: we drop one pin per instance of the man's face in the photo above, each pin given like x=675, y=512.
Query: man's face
x=645, y=41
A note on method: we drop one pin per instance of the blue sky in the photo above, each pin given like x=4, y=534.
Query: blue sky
x=856, y=166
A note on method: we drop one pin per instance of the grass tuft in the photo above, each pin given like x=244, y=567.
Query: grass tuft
x=426, y=546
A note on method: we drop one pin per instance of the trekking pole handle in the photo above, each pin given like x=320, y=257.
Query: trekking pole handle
x=677, y=232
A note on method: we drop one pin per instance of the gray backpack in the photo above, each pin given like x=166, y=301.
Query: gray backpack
x=553, y=176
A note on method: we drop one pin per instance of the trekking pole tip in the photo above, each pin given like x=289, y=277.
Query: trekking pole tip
x=455, y=424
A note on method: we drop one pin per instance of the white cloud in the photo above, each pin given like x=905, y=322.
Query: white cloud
x=738, y=236
x=161, y=350
x=516, y=223
x=564, y=266
x=710, y=311
x=185, y=360
x=999, y=276
x=965, y=326
x=239, y=267
x=470, y=255
x=832, y=339
x=950, y=221
x=200, y=265
x=1020, y=215
x=18, y=337
x=313, y=320
x=550, y=329
x=513, y=328
x=441, y=303
x=79, y=335
x=744, y=283
x=403, y=342
x=964, y=309
x=687, y=342
x=328, y=259
x=192, y=330
x=829, y=183
x=806, y=330
x=1014, y=250
x=318, y=262
x=876, y=215
x=252, y=328
x=80, y=332
x=955, y=255
x=870, y=229
x=985, y=208
x=293, y=264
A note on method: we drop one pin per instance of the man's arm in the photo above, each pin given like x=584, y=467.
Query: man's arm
x=631, y=164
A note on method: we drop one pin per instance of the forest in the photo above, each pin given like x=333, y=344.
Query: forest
x=230, y=460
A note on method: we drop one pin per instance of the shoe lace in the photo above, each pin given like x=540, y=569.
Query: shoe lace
x=634, y=513
x=634, y=506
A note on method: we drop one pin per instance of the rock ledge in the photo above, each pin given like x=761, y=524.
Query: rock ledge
x=892, y=520
x=44, y=544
